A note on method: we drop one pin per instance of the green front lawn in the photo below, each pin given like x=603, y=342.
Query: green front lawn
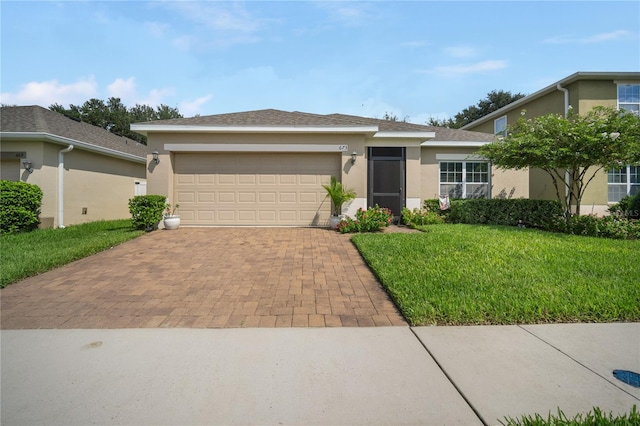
x=470, y=274
x=31, y=253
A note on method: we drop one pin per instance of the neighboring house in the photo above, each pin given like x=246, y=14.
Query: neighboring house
x=266, y=167
x=86, y=173
x=581, y=91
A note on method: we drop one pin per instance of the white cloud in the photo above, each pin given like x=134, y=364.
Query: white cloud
x=155, y=97
x=127, y=91
x=347, y=13
x=595, y=38
x=460, y=51
x=45, y=93
x=123, y=89
x=157, y=29
x=491, y=65
x=189, y=108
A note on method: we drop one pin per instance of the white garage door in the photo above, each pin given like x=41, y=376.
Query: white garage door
x=254, y=188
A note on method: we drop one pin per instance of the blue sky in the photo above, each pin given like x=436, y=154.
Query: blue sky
x=416, y=59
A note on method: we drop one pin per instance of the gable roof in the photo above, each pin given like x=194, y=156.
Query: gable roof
x=272, y=119
x=622, y=76
x=36, y=122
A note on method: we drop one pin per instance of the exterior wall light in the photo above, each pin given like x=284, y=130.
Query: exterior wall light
x=27, y=165
x=156, y=159
x=354, y=155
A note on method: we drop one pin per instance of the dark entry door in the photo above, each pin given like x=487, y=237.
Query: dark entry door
x=387, y=178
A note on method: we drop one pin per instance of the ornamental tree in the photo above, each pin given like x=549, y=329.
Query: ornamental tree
x=576, y=146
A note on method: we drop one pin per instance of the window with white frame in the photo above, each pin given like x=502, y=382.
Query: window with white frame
x=625, y=180
x=622, y=182
x=464, y=179
x=629, y=97
x=500, y=126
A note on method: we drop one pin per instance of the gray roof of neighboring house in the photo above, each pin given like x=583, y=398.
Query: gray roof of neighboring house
x=38, y=120
x=273, y=117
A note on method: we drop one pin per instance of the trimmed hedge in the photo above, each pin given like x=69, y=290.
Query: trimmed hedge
x=146, y=211
x=628, y=207
x=20, y=204
x=542, y=214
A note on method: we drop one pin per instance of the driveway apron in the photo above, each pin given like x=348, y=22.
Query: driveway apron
x=208, y=278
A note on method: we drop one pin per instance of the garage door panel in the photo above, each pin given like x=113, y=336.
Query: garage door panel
x=254, y=189
x=205, y=179
x=227, y=197
x=227, y=179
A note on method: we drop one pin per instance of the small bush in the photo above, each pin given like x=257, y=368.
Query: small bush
x=370, y=220
x=628, y=207
x=146, y=211
x=421, y=217
x=20, y=204
x=607, y=227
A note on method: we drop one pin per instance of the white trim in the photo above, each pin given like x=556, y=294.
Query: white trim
x=460, y=157
x=392, y=143
x=68, y=141
x=464, y=182
x=351, y=207
x=502, y=132
x=177, y=128
x=458, y=144
x=252, y=147
x=413, y=203
x=419, y=135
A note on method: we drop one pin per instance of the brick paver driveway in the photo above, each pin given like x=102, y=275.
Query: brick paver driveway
x=206, y=278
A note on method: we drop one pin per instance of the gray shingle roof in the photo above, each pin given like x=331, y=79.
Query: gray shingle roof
x=36, y=119
x=273, y=117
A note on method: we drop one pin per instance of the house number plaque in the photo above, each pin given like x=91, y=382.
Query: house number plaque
x=343, y=148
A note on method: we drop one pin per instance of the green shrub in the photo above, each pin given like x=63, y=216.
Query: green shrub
x=146, y=211
x=541, y=214
x=421, y=217
x=370, y=220
x=628, y=207
x=20, y=204
x=613, y=226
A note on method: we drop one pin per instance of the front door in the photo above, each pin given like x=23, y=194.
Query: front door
x=387, y=178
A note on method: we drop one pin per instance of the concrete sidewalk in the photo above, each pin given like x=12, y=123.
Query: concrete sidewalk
x=327, y=376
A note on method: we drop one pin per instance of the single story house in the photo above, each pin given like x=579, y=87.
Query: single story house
x=581, y=91
x=86, y=173
x=267, y=167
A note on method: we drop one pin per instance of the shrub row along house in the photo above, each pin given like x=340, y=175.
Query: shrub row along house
x=267, y=167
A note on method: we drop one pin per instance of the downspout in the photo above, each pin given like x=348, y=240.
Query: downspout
x=61, y=185
x=567, y=178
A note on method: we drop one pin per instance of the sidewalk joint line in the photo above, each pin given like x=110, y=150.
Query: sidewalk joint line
x=475, y=411
x=578, y=362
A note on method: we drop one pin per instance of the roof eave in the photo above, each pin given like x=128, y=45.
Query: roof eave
x=581, y=75
x=144, y=129
x=458, y=144
x=61, y=140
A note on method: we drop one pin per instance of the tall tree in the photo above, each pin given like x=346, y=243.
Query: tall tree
x=495, y=100
x=115, y=116
x=579, y=146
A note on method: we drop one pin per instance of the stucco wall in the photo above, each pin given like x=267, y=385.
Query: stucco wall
x=101, y=184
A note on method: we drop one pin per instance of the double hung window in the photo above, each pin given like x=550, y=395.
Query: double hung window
x=625, y=180
x=464, y=179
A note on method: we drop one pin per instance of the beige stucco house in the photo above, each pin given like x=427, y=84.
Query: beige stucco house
x=581, y=91
x=85, y=172
x=266, y=167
